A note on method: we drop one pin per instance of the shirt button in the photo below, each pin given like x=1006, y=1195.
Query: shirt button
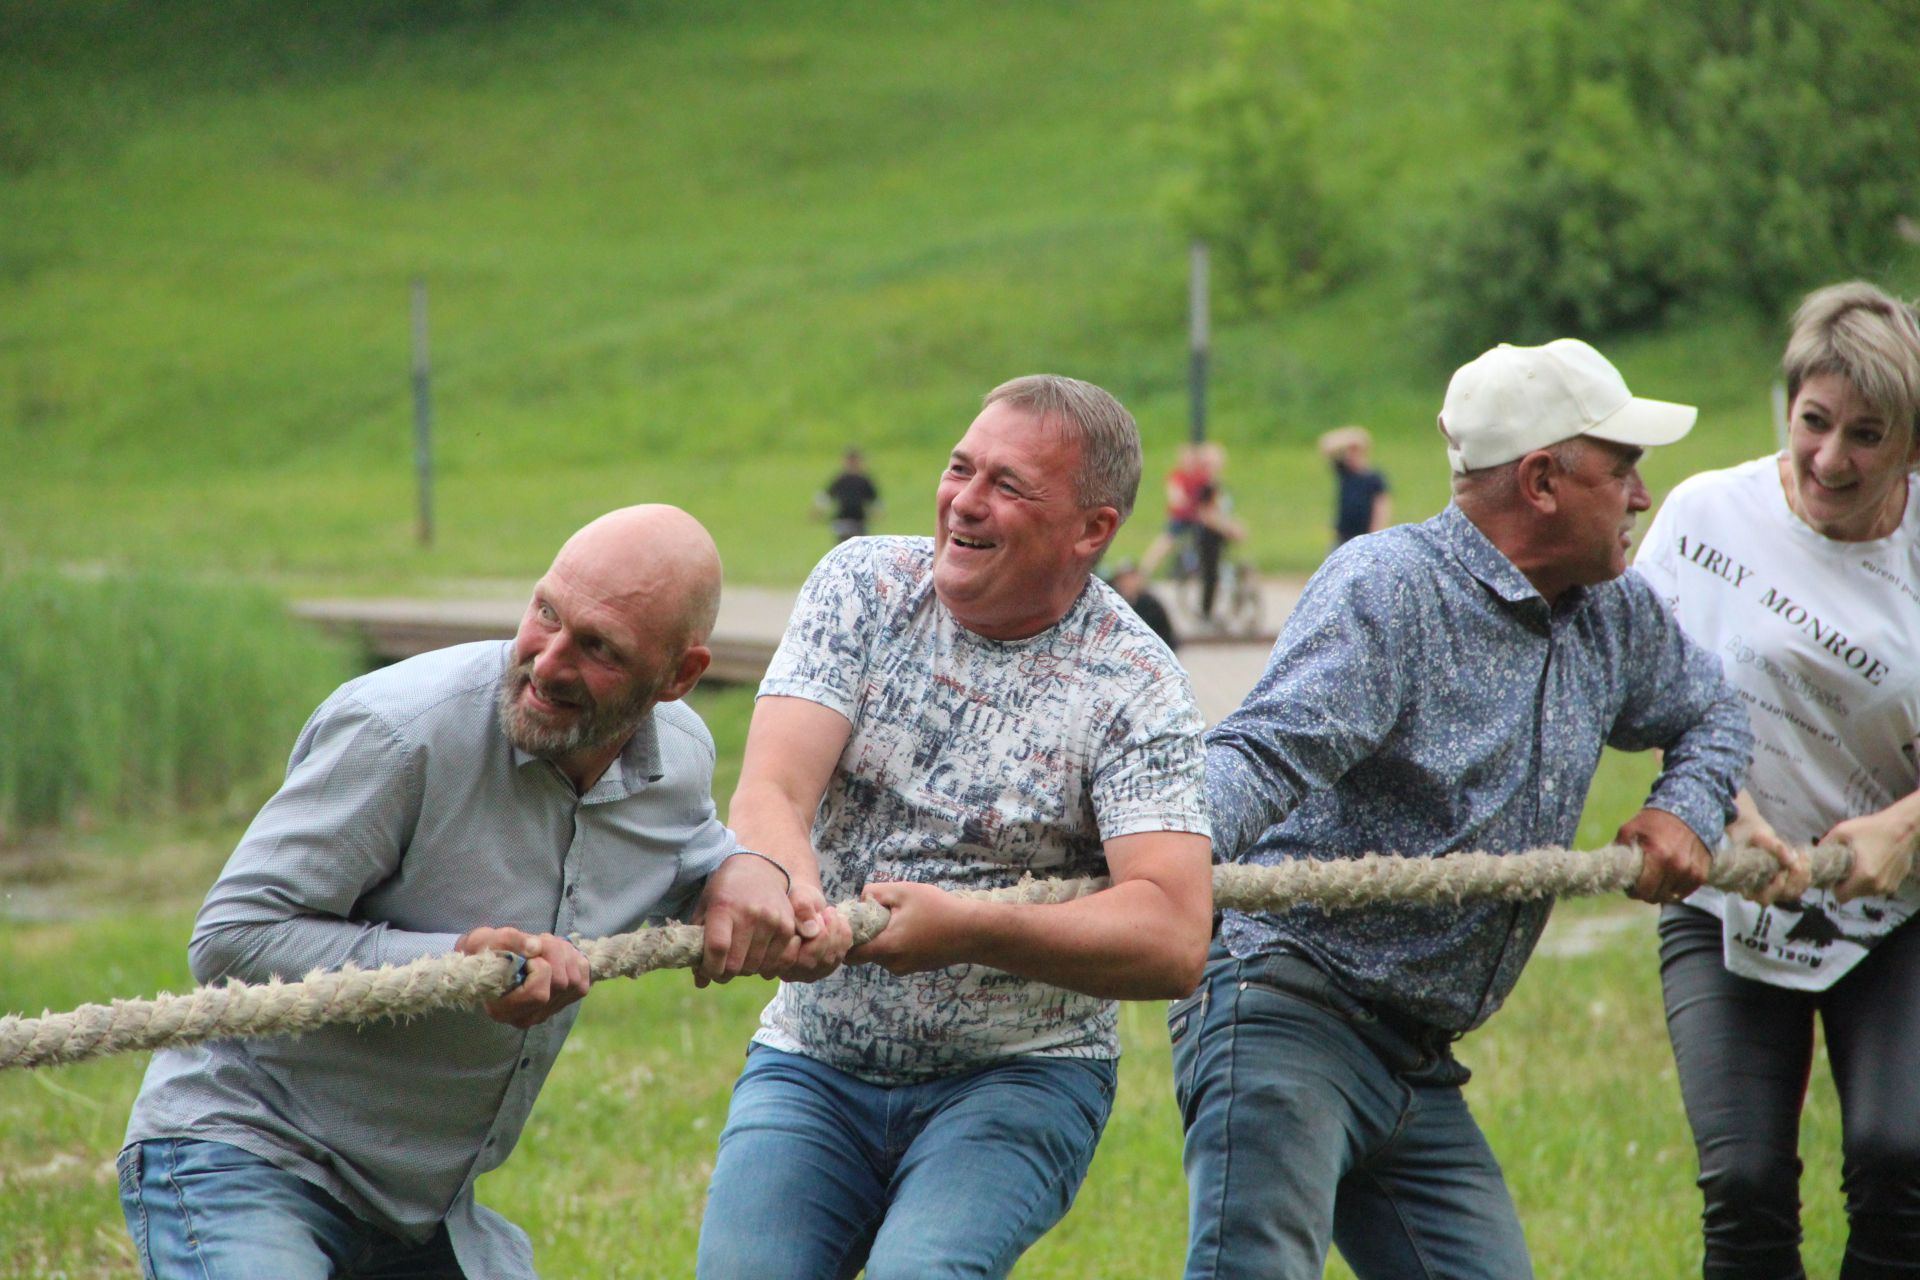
x=1549, y=786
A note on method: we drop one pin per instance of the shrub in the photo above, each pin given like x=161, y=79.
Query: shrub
x=124, y=695
x=1738, y=150
x=1252, y=134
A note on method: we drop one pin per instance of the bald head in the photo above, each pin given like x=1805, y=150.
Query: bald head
x=617, y=624
x=655, y=563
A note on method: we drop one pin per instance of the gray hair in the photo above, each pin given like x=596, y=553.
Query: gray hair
x=1109, y=474
x=1499, y=485
x=1866, y=336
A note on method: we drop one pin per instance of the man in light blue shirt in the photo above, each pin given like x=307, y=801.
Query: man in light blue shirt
x=1441, y=687
x=485, y=797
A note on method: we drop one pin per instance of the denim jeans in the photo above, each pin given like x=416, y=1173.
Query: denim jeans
x=820, y=1172
x=1744, y=1050
x=214, y=1212
x=1312, y=1119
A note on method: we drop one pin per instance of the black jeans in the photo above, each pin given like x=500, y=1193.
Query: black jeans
x=1745, y=1051
x=1207, y=545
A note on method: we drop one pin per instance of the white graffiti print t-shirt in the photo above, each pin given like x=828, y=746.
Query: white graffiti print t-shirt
x=971, y=763
x=1822, y=639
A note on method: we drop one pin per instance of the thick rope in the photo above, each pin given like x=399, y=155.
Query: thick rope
x=238, y=1010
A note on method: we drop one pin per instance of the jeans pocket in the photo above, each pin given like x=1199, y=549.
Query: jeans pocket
x=134, y=1206
x=1183, y=1014
x=127, y=1165
x=1186, y=1021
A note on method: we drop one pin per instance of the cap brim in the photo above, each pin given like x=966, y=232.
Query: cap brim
x=1645, y=423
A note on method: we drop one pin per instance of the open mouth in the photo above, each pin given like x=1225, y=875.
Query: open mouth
x=547, y=699
x=971, y=544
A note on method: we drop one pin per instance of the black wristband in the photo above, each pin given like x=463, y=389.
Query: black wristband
x=755, y=853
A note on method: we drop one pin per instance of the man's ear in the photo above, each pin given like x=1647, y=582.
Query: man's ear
x=1538, y=479
x=1097, y=530
x=693, y=664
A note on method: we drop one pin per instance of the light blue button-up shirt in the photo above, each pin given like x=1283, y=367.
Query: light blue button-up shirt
x=406, y=819
x=1424, y=699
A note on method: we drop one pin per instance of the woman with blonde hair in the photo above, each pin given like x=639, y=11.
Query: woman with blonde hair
x=1802, y=570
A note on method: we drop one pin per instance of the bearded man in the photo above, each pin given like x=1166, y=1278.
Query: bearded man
x=482, y=797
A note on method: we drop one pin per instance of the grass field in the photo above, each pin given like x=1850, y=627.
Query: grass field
x=1574, y=1084
x=686, y=253
x=675, y=252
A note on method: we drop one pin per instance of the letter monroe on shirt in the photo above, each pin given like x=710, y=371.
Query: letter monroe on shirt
x=1828, y=636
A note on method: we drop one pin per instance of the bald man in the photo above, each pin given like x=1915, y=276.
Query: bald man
x=483, y=797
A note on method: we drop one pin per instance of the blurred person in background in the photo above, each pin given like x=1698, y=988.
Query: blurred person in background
x=1214, y=527
x=1131, y=583
x=1802, y=571
x=1360, y=501
x=1184, y=485
x=849, y=498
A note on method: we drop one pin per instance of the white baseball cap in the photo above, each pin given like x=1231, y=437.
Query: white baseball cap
x=1513, y=400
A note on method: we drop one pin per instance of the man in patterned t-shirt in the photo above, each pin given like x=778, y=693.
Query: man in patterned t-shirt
x=955, y=713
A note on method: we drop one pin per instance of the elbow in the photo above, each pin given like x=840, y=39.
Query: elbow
x=1191, y=969
x=213, y=954
x=1182, y=968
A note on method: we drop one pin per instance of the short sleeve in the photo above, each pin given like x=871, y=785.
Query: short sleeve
x=1152, y=776
x=824, y=653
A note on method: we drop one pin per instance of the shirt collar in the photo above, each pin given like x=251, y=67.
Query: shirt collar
x=1490, y=565
x=637, y=765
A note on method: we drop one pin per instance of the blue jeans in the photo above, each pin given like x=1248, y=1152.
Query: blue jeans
x=1313, y=1118
x=214, y=1212
x=820, y=1172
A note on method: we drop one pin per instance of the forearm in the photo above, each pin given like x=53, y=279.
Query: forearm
x=1701, y=770
x=793, y=745
x=288, y=947
x=1902, y=821
x=1130, y=942
x=770, y=821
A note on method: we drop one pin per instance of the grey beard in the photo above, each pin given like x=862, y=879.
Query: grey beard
x=601, y=726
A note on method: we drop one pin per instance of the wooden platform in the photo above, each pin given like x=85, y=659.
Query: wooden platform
x=1223, y=661
x=389, y=630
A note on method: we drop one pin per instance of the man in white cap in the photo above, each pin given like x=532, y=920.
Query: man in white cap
x=1441, y=687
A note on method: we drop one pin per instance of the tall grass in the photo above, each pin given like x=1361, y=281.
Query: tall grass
x=123, y=696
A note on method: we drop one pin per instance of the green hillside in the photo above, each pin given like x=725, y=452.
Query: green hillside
x=675, y=251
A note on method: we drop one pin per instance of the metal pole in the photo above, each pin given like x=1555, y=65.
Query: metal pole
x=1197, y=339
x=422, y=411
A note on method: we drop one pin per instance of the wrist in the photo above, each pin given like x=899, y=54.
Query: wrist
x=769, y=859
